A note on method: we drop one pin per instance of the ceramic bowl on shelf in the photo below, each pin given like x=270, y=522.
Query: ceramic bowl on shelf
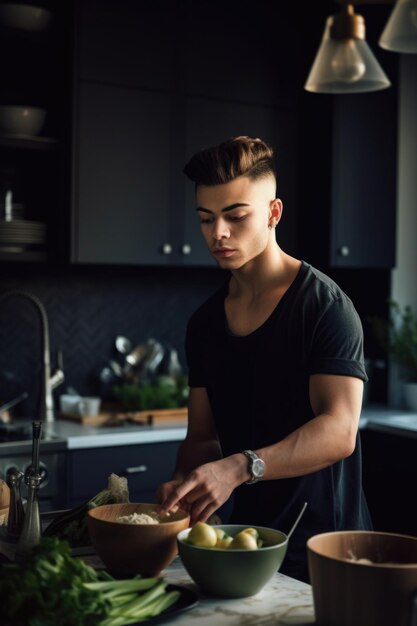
x=127, y=549
x=21, y=120
x=24, y=16
x=233, y=573
x=363, y=577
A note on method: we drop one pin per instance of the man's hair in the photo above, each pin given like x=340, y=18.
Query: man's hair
x=238, y=156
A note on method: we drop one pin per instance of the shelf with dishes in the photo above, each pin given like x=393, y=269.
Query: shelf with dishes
x=27, y=142
x=22, y=237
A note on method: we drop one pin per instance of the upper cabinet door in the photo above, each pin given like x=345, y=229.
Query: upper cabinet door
x=364, y=180
x=122, y=153
x=126, y=42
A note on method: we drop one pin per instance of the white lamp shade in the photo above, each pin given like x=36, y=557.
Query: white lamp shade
x=345, y=66
x=400, y=32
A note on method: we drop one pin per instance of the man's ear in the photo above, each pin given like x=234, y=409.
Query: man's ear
x=275, y=211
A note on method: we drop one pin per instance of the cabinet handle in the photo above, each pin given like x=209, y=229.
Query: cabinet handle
x=166, y=248
x=344, y=250
x=185, y=248
x=138, y=469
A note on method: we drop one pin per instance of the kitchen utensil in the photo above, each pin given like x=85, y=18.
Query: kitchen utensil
x=129, y=549
x=136, y=356
x=16, y=511
x=123, y=344
x=79, y=405
x=8, y=405
x=363, y=577
x=31, y=530
x=300, y=515
x=233, y=573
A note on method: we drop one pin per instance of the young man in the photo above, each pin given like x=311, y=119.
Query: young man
x=276, y=370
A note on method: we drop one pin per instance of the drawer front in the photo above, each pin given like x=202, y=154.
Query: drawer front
x=145, y=466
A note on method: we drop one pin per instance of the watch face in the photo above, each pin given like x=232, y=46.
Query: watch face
x=258, y=468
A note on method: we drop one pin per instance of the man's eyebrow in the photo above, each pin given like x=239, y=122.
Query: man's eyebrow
x=226, y=208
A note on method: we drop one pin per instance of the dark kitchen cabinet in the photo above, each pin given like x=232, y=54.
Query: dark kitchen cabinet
x=146, y=466
x=363, y=203
x=126, y=42
x=389, y=479
x=136, y=123
x=122, y=179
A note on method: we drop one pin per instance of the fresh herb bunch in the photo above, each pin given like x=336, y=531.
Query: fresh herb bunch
x=51, y=587
x=164, y=393
x=47, y=589
x=398, y=337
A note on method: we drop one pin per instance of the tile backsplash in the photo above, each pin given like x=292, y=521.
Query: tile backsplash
x=87, y=308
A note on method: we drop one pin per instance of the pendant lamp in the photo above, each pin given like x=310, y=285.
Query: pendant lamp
x=400, y=32
x=344, y=62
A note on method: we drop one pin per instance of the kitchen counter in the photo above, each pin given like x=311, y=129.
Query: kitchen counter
x=282, y=601
x=64, y=435
x=78, y=436
x=387, y=420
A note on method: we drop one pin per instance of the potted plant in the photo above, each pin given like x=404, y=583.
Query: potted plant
x=398, y=336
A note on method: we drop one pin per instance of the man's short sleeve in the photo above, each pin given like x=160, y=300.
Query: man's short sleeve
x=337, y=343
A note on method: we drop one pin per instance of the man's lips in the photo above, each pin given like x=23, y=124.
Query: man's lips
x=223, y=252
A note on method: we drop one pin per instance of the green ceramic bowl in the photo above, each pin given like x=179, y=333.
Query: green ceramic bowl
x=233, y=573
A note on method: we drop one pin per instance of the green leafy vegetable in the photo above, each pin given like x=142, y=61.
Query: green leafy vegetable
x=164, y=393
x=72, y=525
x=50, y=588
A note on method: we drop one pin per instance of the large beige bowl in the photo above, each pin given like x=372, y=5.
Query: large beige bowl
x=350, y=593
x=130, y=549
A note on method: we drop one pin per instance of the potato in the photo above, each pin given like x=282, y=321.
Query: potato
x=251, y=531
x=224, y=543
x=220, y=533
x=243, y=541
x=202, y=535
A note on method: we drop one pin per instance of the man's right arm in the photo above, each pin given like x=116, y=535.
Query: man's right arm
x=201, y=444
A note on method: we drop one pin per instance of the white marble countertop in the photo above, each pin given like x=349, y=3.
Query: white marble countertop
x=283, y=601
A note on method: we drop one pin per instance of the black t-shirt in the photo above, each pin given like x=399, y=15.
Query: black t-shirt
x=258, y=387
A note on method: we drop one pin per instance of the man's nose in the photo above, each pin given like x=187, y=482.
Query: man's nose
x=220, y=230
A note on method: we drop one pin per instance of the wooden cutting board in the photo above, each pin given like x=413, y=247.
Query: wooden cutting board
x=157, y=417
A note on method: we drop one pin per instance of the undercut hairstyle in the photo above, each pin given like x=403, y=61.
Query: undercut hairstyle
x=238, y=156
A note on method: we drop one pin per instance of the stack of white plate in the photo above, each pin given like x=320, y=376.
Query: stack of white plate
x=19, y=235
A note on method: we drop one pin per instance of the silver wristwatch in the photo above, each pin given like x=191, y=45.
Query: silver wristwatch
x=256, y=466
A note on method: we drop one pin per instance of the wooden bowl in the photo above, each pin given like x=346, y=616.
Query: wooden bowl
x=4, y=494
x=4, y=515
x=348, y=591
x=130, y=549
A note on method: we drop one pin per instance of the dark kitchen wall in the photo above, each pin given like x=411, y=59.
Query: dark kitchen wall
x=87, y=308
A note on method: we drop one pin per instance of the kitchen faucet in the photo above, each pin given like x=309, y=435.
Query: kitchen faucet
x=48, y=382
